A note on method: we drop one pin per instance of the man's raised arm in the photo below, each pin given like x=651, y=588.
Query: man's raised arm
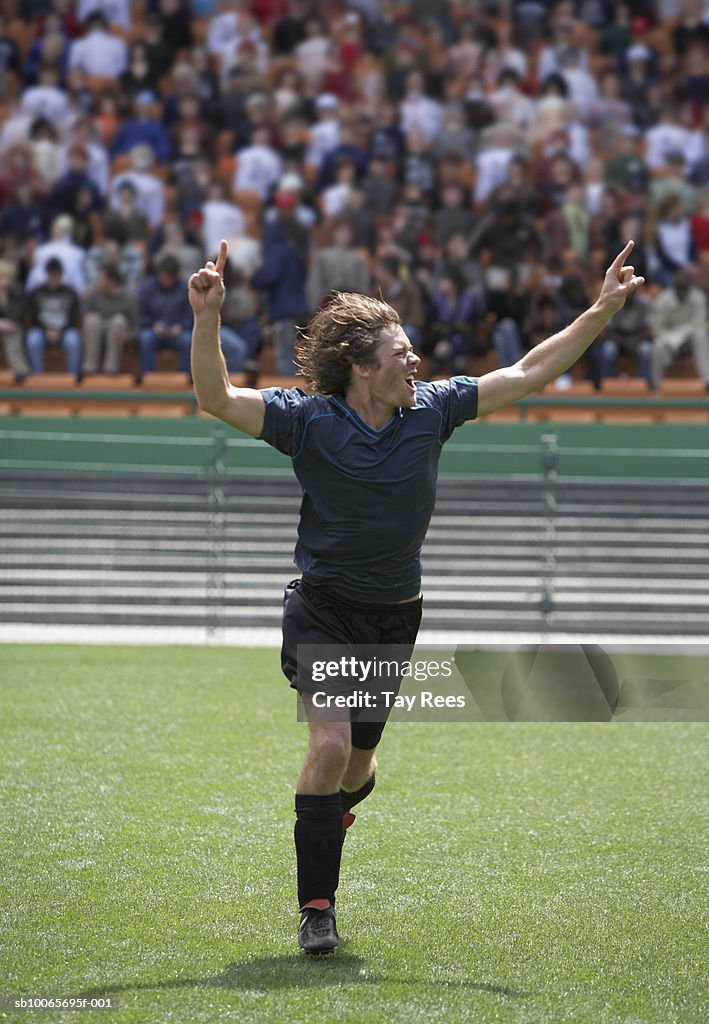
x=552, y=357
x=242, y=408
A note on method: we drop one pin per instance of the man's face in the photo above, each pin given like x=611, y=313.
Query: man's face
x=391, y=382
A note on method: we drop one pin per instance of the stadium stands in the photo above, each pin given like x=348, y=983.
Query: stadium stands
x=465, y=146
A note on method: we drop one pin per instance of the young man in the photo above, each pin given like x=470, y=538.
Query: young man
x=365, y=445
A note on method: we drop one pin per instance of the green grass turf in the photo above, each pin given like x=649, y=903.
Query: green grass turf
x=499, y=873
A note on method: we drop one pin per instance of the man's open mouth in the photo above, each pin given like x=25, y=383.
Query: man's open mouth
x=410, y=384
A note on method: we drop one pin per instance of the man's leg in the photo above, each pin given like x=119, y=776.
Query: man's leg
x=147, y=344
x=319, y=829
x=14, y=353
x=71, y=346
x=93, y=340
x=36, y=344
x=700, y=346
x=117, y=334
x=358, y=780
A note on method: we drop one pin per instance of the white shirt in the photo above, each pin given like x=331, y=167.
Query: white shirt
x=72, y=258
x=99, y=54
x=663, y=139
x=47, y=101
x=150, y=194
x=257, y=167
x=422, y=113
x=220, y=218
x=334, y=199
x=324, y=136
x=582, y=87
x=312, y=56
x=492, y=167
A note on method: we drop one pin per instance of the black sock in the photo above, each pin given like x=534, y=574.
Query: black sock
x=318, y=836
x=350, y=799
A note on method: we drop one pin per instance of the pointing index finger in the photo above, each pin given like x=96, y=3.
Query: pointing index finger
x=222, y=257
x=620, y=258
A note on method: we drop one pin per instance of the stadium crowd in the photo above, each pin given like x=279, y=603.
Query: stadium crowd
x=477, y=163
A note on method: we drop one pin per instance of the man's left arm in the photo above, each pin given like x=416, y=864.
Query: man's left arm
x=548, y=360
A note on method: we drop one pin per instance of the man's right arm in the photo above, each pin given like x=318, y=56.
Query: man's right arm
x=242, y=408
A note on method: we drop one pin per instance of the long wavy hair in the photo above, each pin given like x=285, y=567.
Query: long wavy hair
x=345, y=332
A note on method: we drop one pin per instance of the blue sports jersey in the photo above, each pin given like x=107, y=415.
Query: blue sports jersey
x=368, y=494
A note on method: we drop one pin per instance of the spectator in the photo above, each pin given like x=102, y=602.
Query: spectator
x=259, y=166
x=220, y=218
x=69, y=190
x=109, y=321
x=84, y=136
x=53, y=319
x=398, y=289
x=125, y=223
x=99, y=53
x=165, y=316
x=673, y=245
x=680, y=318
x=12, y=302
x=241, y=327
x=337, y=267
x=629, y=334
x=282, y=278
x=149, y=189
x=174, y=239
x=143, y=128
x=62, y=250
x=47, y=100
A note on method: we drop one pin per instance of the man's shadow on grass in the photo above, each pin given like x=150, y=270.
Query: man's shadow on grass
x=297, y=971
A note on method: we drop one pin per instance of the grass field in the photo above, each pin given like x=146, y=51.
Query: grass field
x=499, y=873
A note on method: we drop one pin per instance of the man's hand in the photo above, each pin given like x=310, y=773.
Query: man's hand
x=620, y=282
x=206, y=287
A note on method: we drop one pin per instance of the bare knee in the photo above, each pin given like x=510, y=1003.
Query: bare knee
x=327, y=758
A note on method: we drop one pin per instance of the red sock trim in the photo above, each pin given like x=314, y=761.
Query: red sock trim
x=317, y=904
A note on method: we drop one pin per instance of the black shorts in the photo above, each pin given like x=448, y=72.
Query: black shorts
x=314, y=616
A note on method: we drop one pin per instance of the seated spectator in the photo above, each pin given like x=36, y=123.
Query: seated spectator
x=150, y=191
x=173, y=239
x=220, y=218
x=69, y=190
x=43, y=140
x=53, y=318
x=673, y=245
x=165, y=316
x=630, y=334
x=22, y=223
x=60, y=248
x=337, y=267
x=140, y=75
x=259, y=166
x=12, y=304
x=98, y=52
x=47, y=99
x=109, y=321
x=125, y=223
x=241, y=327
x=85, y=136
x=450, y=337
x=392, y=281
x=282, y=279
x=680, y=318
x=143, y=128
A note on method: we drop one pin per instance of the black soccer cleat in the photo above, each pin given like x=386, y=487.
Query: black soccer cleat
x=317, y=934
